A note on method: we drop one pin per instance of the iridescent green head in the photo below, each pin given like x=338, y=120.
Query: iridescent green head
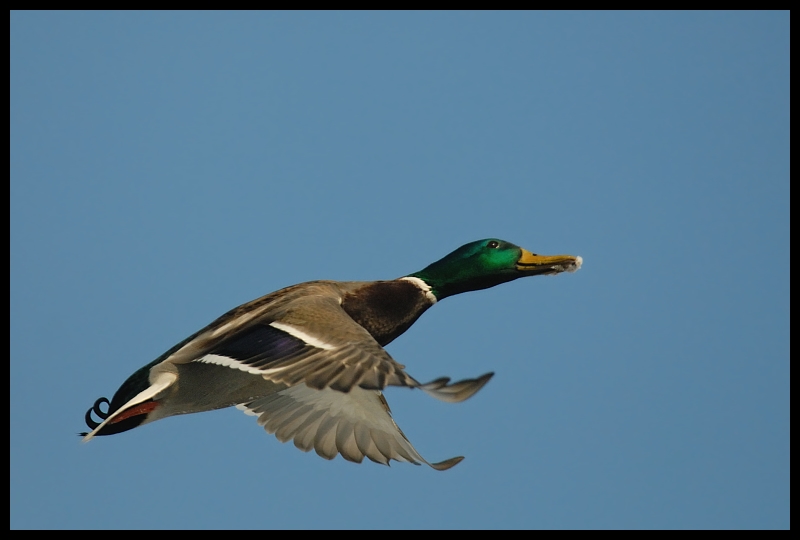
x=486, y=263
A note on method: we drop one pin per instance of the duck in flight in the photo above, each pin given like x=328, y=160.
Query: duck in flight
x=309, y=363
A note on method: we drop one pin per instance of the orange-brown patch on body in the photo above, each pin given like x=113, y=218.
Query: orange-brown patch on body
x=142, y=408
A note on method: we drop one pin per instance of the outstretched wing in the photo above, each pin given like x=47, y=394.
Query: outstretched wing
x=318, y=344
x=356, y=424
x=302, y=335
x=313, y=341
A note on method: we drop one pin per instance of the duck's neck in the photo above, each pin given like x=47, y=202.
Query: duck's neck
x=450, y=276
x=386, y=309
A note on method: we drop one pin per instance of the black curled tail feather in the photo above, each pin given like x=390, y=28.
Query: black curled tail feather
x=97, y=411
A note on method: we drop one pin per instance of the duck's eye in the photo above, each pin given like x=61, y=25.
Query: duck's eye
x=493, y=244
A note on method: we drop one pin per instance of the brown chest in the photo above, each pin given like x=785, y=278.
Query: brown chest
x=386, y=309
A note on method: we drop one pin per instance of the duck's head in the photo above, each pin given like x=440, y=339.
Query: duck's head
x=486, y=263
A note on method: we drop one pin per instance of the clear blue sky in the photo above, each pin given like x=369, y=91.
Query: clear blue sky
x=166, y=167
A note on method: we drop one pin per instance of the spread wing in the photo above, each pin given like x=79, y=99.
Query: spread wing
x=313, y=341
x=356, y=424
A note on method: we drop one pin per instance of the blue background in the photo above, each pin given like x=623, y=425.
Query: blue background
x=166, y=167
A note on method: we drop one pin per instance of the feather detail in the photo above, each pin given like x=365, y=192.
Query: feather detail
x=356, y=424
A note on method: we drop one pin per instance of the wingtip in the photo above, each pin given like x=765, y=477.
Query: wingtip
x=458, y=391
x=447, y=464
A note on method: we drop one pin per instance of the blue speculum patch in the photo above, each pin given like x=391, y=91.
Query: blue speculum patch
x=260, y=345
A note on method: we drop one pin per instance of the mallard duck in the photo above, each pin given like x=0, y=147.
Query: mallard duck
x=308, y=360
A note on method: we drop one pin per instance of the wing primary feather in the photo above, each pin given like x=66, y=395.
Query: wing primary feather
x=346, y=442
x=347, y=379
x=456, y=392
x=366, y=446
x=325, y=440
x=447, y=464
x=288, y=427
x=304, y=439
